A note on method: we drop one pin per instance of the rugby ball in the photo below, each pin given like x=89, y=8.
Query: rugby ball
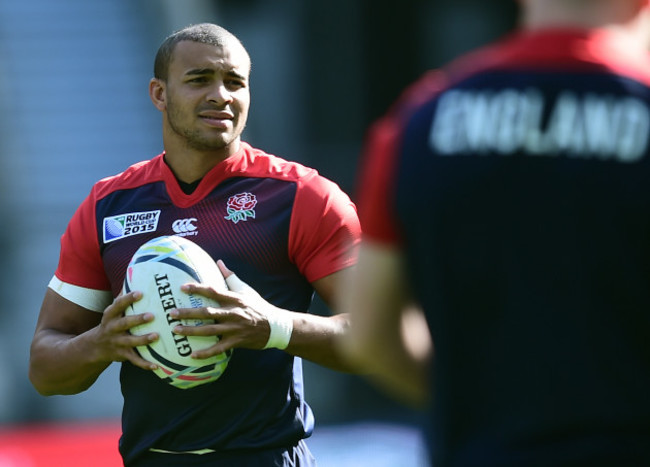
x=158, y=269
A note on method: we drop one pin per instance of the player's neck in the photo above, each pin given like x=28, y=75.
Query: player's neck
x=190, y=165
x=628, y=26
x=544, y=14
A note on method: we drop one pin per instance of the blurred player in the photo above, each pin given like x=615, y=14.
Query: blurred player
x=508, y=195
x=283, y=228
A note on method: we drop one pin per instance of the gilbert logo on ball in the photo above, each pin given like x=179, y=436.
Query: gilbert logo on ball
x=158, y=269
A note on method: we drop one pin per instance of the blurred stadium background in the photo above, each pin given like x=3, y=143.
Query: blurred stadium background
x=74, y=108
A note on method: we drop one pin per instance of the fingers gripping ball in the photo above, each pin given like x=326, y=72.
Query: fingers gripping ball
x=280, y=324
x=158, y=269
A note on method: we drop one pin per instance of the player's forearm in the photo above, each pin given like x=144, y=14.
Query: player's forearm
x=392, y=365
x=315, y=338
x=62, y=364
x=404, y=374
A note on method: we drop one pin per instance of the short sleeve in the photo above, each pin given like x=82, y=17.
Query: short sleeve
x=80, y=262
x=325, y=231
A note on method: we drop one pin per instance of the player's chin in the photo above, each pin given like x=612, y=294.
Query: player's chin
x=222, y=146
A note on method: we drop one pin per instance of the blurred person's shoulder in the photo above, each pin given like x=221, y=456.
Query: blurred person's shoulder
x=553, y=50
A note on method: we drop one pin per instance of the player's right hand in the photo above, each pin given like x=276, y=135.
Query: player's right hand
x=113, y=337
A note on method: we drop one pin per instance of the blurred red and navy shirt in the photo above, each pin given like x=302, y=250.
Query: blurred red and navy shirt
x=517, y=183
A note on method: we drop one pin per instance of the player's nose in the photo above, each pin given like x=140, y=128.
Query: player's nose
x=219, y=94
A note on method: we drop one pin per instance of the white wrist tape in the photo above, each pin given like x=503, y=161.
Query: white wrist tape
x=281, y=329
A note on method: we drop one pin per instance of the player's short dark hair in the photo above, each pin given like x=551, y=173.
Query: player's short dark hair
x=204, y=33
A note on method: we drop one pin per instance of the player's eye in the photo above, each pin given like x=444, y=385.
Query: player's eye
x=234, y=83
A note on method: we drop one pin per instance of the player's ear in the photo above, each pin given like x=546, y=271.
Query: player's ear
x=157, y=93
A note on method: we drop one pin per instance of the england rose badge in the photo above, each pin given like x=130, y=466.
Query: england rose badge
x=240, y=207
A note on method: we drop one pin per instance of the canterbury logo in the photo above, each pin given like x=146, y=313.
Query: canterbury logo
x=185, y=227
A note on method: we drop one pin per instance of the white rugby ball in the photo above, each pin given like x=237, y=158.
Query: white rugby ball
x=158, y=269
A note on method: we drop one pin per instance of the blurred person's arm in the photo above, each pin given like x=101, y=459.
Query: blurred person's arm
x=72, y=345
x=388, y=336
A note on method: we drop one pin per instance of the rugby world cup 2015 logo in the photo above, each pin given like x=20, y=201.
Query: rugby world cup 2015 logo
x=132, y=223
x=240, y=207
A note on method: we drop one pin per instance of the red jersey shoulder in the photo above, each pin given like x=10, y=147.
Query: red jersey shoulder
x=136, y=175
x=311, y=185
x=257, y=163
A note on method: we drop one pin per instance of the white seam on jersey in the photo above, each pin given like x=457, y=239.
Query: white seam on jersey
x=198, y=452
x=92, y=299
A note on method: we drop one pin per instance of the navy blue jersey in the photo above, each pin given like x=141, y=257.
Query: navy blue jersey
x=279, y=226
x=517, y=182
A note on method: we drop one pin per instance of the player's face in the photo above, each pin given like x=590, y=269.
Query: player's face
x=207, y=95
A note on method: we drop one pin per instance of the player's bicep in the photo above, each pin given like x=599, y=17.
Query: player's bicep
x=327, y=287
x=61, y=315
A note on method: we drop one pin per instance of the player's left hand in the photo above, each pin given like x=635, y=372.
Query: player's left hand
x=240, y=321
